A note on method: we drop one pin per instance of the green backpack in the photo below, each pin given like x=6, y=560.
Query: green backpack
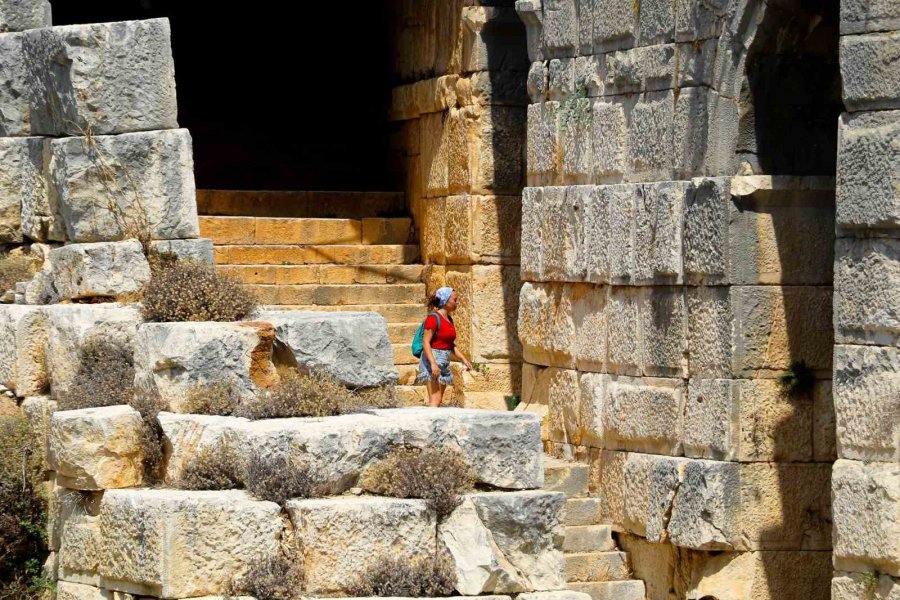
x=418, y=339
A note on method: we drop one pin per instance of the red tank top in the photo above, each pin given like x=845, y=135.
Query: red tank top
x=446, y=334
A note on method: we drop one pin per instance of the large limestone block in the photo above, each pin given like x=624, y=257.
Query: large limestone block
x=659, y=218
x=590, y=316
x=663, y=332
x=868, y=71
x=21, y=15
x=559, y=389
x=102, y=269
x=544, y=155
x=756, y=420
x=506, y=542
x=67, y=590
x=503, y=447
x=866, y=516
x=546, y=324
x=97, y=448
x=867, y=402
x=130, y=185
x=352, y=347
x=650, y=140
x=11, y=315
x=178, y=544
x=340, y=538
x=644, y=414
x=706, y=212
x=787, y=575
x=486, y=322
x=560, y=235
x=858, y=16
x=198, y=250
x=867, y=299
x=863, y=586
x=868, y=167
x=172, y=358
x=593, y=204
x=624, y=354
x=38, y=410
x=79, y=551
x=106, y=77
x=70, y=325
x=15, y=119
x=22, y=182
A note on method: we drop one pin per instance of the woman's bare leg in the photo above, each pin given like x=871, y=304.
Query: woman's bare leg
x=435, y=393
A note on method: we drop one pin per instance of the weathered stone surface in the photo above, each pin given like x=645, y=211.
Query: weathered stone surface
x=868, y=71
x=642, y=69
x=615, y=24
x=546, y=326
x=868, y=166
x=20, y=15
x=38, y=411
x=623, y=327
x=610, y=137
x=561, y=595
x=858, y=16
x=70, y=325
x=97, y=448
x=178, y=544
x=105, y=269
x=590, y=316
x=544, y=156
x=650, y=138
x=11, y=344
x=129, y=185
x=15, y=119
x=559, y=389
x=867, y=402
x=79, y=551
x=861, y=586
x=592, y=202
x=77, y=591
x=198, y=250
x=644, y=415
x=866, y=516
x=659, y=216
x=663, y=332
x=352, y=347
x=560, y=235
x=867, y=299
x=706, y=213
x=506, y=542
x=503, y=447
x=758, y=575
x=107, y=77
x=710, y=331
x=22, y=182
x=171, y=358
x=340, y=538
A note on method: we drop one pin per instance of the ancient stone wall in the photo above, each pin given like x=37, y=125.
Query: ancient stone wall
x=677, y=258
x=459, y=109
x=866, y=477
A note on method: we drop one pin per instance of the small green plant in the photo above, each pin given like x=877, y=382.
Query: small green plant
x=574, y=108
x=512, y=401
x=191, y=291
x=798, y=380
x=437, y=475
x=481, y=368
x=422, y=577
x=869, y=580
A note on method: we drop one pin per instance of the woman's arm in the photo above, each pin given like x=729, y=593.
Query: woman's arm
x=426, y=347
x=462, y=358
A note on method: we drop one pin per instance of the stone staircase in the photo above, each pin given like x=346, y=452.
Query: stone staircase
x=332, y=251
x=594, y=565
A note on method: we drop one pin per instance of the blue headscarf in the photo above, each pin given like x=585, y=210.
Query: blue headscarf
x=443, y=295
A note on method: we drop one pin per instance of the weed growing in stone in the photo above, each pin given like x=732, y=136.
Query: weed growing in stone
x=23, y=535
x=191, y=291
x=798, y=380
x=217, y=467
x=219, y=398
x=271, y=578
x=423, y=577
x=104, y=376
x=278, y=479
x=437, y=475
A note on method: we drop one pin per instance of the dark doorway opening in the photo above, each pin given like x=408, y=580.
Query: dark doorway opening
x=277, y=96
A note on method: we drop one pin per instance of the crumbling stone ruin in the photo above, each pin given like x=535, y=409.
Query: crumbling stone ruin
x=672, y=226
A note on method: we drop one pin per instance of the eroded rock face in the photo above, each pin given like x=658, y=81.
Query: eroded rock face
x=177, y=544
x=172, y=358
x=97, y=448
x=340, y=538
x=102, y=269
x=506, y=542
x=354, y=348
x=504, y=448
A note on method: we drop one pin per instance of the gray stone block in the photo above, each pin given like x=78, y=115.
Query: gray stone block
x=560, y=236
x=698, y=20
x=622, y=201
x=561, y=28
x=649, y=68
x=691, y=123
x=15, y=110
x=105, y=78
x=103, y=269
x=126, y=185
x=198, y=249
x=561, y=75
x=615, y=24
x=869, y=72
x=610, y=138
x=531, y=254
x=659, y=217
x=656, y=22
x=867, y=170
x=643, y=414
x=19, y=15
x=861, y=16
x=531, y=14
x=576, y=127
x=867, y=291
x=543, y=151
x=593, y=205
x=538, y=83
x=624, y=345
x=664, y=331
x=33, y=206
x=706, y=215
x=696, y=63
x=650, y=139
x=710, y=332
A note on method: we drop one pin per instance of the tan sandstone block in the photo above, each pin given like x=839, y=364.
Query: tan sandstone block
x=546, y=324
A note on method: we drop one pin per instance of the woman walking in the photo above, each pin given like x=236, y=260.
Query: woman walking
x=439, y=346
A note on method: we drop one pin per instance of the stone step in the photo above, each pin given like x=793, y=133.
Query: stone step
x=633, y=589
x=568, y=477
x=392, y=313
x=238, y=231
x=597, y=566
x=402, y=333
x=582, y=511
x=345, y=295
x=354, y=254
x=588, y=538
x=488, y=401
x=323, y=274
x=403, y=354
x=301, y=204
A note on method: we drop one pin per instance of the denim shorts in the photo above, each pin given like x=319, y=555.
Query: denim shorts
x=442, y=357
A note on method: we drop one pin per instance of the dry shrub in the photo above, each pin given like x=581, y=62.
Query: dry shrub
x=278, y=479
x=104, y=376
x=13, y=269
x=379, y=397
x=189, y=291
x=298, y=395
x=220, y=398
x=151, y=434
x=23, y=535
x=271, y=578
x=218, y=467
x=437, y=475
x=419, y=578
